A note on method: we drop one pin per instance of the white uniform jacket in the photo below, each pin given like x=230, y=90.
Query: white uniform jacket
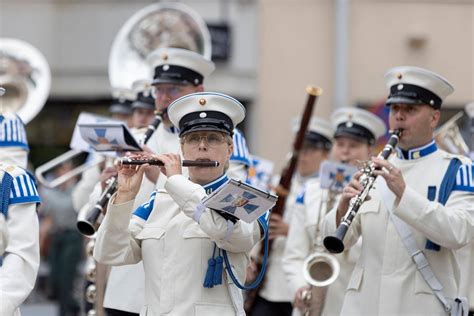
x=275, y=288
x=20, y=258
x=301, y=242
x=175, y=244
x=385, y=280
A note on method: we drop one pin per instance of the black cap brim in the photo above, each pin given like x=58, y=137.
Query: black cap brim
x=205, y=128
x=170, y=81
x=401, y=100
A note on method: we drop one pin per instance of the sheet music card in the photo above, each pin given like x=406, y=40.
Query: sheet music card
x=240, y=200
x=109, y=137
x=335, y=175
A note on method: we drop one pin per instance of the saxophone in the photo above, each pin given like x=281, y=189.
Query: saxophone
x=320, y=268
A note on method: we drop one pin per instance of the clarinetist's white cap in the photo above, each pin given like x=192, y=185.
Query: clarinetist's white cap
x=179, y=66
x=358, y=123
x=414, y=85
x=319, y=134
x=206, y=111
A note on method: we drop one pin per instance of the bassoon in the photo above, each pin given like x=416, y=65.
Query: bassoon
x=284, y=185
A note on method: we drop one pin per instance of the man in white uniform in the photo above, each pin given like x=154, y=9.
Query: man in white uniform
x=178, y=72
x=423, y=194
x=19, y=227
x=356, y=133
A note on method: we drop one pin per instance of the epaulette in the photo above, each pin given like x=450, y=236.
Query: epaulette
x=241, y=151
x=465, y=178
x=465, y=173
x=23, y=188
x=17, y=186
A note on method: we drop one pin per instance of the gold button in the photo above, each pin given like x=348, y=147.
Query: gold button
x=202, y=101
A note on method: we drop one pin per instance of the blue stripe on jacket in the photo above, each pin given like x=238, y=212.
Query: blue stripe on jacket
x=144, y=210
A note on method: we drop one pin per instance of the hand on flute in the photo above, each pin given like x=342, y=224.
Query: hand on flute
x=129, y=181
x=172, y=164
x=152, y=174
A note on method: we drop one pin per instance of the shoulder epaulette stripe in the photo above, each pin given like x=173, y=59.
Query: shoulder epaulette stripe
x=16, y=189
x=240, y=153
x=465, y=178
x=23, y=187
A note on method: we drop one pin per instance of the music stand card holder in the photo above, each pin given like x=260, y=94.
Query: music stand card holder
x=240, y=200
x=103, y=137
x=335, y=175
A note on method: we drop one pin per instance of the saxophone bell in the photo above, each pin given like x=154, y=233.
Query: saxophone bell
x=321, y=269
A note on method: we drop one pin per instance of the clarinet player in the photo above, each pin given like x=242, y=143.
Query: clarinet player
x=423, y=194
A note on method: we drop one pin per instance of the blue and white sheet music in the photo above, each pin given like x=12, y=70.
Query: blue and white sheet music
x=109, y=136
x=240, y=200
x=335, y=175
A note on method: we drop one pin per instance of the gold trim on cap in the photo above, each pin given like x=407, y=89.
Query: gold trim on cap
x=202, y=101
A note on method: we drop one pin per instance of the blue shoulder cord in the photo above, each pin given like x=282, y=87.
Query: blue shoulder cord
x=262, y=271
x=5, y=187
x=445, y=189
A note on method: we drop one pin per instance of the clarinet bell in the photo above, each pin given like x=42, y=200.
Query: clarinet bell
x=334, y=243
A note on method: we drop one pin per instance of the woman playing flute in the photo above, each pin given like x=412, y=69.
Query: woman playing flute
x=179, y=240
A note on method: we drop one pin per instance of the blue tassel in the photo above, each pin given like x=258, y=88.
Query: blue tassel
x=218, y=271
x=208, y=280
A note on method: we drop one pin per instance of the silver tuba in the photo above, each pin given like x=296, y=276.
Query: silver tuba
x=25, y=77
x=449, y=138
x=155, y=26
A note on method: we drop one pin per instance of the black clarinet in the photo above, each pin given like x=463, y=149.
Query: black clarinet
x=334, y=244
x=90, y=224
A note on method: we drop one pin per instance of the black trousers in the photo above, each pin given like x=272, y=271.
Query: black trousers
x=263, y=307
x=116, y=312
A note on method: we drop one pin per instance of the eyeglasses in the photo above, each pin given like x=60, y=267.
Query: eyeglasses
x=211, y=139
x=172, y=91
